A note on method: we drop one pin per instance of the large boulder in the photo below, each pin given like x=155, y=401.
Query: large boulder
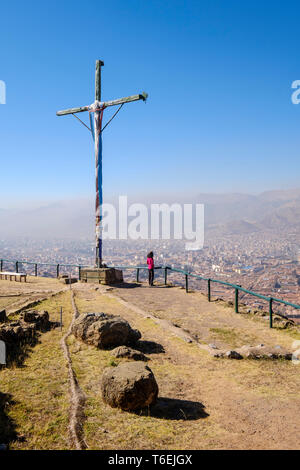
x=129, y=386
x=104, y=331
x=233, y=355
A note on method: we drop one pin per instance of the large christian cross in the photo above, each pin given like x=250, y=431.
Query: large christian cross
x=97, y=109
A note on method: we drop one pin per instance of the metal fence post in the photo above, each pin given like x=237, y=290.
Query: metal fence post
x=186, y=283
x=1, y=265
x=271, y=311
x=208, y=290
x=166, y=276
x=138, y=275
x=17, y=266
x=61, y=324
x=236, y=302
x=57, y=270
x=35, y=269
x=79, y=272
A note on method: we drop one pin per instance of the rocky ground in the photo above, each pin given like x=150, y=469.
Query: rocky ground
x=204, y=402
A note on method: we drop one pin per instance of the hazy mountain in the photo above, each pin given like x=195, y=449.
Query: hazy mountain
x=64, y=219
x=224, y=213
x=271, y=209
x=233, y=227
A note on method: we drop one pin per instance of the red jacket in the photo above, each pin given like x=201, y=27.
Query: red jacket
x=150, y=262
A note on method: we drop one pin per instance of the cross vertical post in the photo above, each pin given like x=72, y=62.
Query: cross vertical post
x=98, y=163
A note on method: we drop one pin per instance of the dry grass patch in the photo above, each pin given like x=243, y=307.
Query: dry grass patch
x=234, y=337
x=38, y=391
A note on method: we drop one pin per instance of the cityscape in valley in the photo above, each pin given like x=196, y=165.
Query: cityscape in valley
x=266, y=262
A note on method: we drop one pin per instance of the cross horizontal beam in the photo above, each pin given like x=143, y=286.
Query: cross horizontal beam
x=128, y=99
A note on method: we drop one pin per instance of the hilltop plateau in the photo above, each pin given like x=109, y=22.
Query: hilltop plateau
x=204, y=401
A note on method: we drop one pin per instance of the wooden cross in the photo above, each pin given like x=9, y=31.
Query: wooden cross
x=97, y=109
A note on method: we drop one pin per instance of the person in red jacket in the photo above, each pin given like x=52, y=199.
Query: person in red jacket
x=150, y=262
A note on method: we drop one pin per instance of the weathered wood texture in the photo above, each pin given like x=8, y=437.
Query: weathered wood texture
x=99, y=64
x=126, y=99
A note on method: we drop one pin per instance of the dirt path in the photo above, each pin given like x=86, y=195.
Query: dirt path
x=77, y=398
x=208, y=322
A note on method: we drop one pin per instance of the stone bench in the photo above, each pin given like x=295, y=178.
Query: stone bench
x=13, y=276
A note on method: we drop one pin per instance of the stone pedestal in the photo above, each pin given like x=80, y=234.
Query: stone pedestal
x=101, y=275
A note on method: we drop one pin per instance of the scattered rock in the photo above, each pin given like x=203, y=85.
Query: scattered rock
x=213, y=346
x=68, y=280
x=254, y=352
x=40, y=319
x=272, y=356
x=264, y=352
x=288, y=324
x=129, y=386
x=104, y=331
x=125, y=351
x=233, y=355
x=288, y=356
x=217, y=354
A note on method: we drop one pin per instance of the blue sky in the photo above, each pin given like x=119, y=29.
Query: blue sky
x=219, y=116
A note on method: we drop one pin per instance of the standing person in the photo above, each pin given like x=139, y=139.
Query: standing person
x=150, y=262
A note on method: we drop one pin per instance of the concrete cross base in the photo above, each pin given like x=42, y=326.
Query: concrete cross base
x=101, y=275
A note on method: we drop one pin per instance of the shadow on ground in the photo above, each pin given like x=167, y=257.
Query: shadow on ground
x=17, y=353
x=7, y=425
x=126, y=285
x=149, y=347
x=175, y=409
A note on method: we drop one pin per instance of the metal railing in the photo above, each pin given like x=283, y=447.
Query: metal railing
x=237, y=288
x=57, y=266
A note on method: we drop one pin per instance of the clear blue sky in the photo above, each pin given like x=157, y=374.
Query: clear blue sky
x=218, y=73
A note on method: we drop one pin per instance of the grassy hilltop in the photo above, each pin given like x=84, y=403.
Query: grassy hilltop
x=204, y=402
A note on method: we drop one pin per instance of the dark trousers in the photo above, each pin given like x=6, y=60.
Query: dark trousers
x=151, y=277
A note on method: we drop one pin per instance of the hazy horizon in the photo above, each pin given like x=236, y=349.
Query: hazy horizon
x=227, y=212
x=143, y=197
